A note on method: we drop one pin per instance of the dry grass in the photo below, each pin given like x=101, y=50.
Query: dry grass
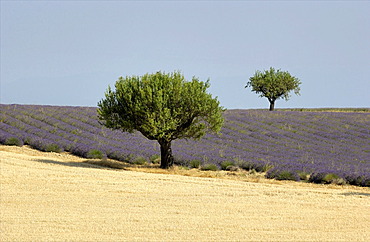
x=59, y=197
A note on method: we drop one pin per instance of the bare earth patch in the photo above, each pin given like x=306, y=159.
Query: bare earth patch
x=53, y=197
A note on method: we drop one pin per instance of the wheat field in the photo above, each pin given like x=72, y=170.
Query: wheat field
x=60, y=197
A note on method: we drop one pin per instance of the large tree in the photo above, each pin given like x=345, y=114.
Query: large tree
x=274, y=84
x=163, y=107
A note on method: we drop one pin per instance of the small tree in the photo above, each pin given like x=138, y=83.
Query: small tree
x=163, y=107
x=274, y=85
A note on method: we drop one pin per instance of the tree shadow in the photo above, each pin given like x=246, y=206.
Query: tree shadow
x=100, y=164
x=356, y=194
x=97, y=164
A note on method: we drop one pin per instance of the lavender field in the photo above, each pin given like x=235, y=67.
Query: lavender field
x=322, y=147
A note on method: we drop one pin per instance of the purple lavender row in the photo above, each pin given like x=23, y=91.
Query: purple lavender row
x=294, y=142
x=82, y=141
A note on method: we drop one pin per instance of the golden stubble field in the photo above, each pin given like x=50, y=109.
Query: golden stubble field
x=60, y=197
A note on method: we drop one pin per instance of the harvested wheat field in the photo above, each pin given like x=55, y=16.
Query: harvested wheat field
x=53, y=197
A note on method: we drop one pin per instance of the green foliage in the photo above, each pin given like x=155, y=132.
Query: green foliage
x=13, y=141
x=245, y=165
x=333, y=179
x=155, y=159
x=53, y=148
x=95, y=154
x=274, y=84
x=327, y=178
x=195, y=163
x=163, y=107
x=250, y=166
x=282, y=175
x=226, y=164
x=27, y=140
x=304, y=176
x=264, y=168
x=209, y=167
x=139, y=160
x=286, y=175
x=184, y=168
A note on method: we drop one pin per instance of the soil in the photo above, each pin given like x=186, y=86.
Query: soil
x=60, y=197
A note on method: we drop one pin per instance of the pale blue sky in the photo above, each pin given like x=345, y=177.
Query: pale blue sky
x=68, y=52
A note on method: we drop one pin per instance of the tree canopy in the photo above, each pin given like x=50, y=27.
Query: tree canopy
x=163, y=107
x=274, y=84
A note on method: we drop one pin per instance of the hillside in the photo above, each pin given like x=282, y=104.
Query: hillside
x=59, y=197
x=320, y=147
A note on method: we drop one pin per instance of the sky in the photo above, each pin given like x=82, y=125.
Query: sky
x=68, y=52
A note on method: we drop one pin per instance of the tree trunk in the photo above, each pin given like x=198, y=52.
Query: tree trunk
x=166, y=154
x=272, y=105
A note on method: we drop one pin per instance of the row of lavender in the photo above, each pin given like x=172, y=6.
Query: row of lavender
x=73, y=129
x=324, y=147
x=290, y=145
